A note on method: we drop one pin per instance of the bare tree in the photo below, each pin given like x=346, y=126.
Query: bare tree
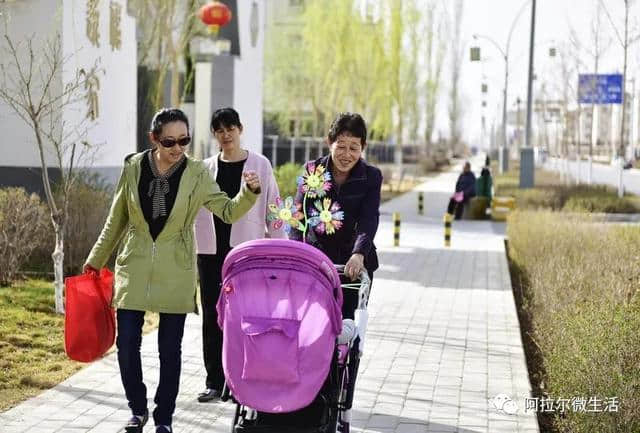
x=402, y=71
x=625, y=41
x=599, y=45
x=415, y=42
x=457, y=54
x=576, y=54
x=567, y=72
x=435, y=51
x=29, y=86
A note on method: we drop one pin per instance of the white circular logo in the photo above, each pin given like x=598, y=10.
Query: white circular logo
x=504, y=404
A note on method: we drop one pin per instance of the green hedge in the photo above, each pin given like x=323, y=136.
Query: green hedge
x=580, y=281
x=287, y=177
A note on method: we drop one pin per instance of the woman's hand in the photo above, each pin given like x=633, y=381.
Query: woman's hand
x=354, y=266
x=252, y=180
x=90, y=270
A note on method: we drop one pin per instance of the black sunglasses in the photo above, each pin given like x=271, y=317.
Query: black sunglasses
x=170, y=142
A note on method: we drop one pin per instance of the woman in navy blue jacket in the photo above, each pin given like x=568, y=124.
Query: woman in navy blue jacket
x=355, y=187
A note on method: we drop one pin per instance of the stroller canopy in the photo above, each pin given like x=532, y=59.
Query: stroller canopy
x=280, y=312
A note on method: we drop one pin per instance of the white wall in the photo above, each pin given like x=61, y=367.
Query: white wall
x=247, y=95
x=113, y=134
x=24, y=18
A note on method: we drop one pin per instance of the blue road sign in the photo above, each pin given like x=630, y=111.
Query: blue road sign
x=600, y=88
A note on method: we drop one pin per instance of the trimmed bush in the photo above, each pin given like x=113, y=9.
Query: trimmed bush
x=580, y=283
x=23, y=223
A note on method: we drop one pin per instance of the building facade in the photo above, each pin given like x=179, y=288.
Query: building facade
x=98, y=41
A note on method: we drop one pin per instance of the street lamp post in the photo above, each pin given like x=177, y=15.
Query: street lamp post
x=504, y=159
x=526, y=159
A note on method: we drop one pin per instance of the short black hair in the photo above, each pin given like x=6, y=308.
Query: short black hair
x=351, y=123
x=167, y=115
x=225, y=117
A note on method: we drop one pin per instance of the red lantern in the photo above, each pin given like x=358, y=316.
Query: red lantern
x=215, y=14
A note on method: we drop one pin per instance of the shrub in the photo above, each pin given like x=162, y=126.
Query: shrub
x=89, y=204
x=580, y=282
x=24, y=221
x=551, y=193
x=287, y=178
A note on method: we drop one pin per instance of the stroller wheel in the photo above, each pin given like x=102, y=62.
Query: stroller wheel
x=236, y=417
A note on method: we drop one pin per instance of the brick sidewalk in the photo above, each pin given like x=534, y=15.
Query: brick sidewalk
x=443, y=339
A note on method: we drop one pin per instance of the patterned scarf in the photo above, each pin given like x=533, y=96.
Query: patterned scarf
x=159, y=186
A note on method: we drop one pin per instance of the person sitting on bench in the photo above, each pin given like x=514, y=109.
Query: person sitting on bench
x=465, y=190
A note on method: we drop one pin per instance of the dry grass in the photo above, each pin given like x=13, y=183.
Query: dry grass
x=551, y=193
x=580, y=283
x=32, y=356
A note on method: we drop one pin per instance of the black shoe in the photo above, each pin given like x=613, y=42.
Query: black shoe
x=163, y=429
x=136, y=424
x=208, y=395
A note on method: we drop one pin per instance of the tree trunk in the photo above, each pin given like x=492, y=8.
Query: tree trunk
x=58, y=268
x=397, y=154
x=175, y=83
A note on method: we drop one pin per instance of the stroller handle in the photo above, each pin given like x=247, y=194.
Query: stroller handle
x=362, y=284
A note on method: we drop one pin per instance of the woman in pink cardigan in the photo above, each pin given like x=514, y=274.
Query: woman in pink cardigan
x=215, y=239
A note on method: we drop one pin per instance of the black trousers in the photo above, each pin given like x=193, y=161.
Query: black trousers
x=210, y=271
x=350, y=298
x=170, y=331
x=455, y=207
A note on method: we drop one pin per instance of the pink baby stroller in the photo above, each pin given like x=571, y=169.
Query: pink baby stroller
x=289, y=364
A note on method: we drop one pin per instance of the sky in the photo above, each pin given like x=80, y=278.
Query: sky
x=554, y=18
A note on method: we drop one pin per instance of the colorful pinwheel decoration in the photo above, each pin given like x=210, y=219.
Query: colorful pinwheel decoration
x=325, y=216
x=285, y=213
x=315, y=181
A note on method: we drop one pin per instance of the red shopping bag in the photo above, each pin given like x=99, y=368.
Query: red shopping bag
x=90, y=324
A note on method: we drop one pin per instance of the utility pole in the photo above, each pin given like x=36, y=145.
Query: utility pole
x=527, y=168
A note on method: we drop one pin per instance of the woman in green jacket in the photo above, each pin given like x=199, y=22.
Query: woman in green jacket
x=156, y=201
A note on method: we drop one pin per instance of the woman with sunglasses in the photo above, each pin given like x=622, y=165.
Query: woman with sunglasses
x=154, y=207
x=215, y=238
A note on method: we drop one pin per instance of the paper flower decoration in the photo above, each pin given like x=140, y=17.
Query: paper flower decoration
x=285, y=213
x=315, y=181
x=326, y=217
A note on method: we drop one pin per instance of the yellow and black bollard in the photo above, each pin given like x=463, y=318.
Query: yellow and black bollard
x=420, y=203
x=447, y=229
x=396, y=229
